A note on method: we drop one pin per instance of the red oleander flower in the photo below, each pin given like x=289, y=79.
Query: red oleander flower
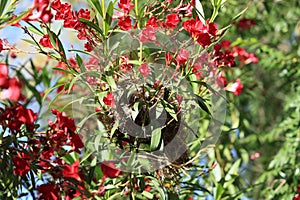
x=48, y=191
x=223, y=58
x=22, y=164
x=226, y=44
x=72, y=193
x=26, y=116
x=148, y=34
x=201, y=33
x=296, y=197
x=45, y=41
x=245, y=24
x=109, y=169
x=46, y=155
x=56, y=4
x=84, y=13
x=3, y=76
x=172, y=21
x=152, y=22
x=109, y=99
x=125, y=23
x=76, y=142
x=13, y=90
x=125, y=6
x=88, y=47
x=43, y=13
x=63, y=122
x=71, y=171
x=236, y=87
x=144, y=69
x=198, y=71
x=182, y=57
x=243, y=56
x=221, y=80
x=148, y=188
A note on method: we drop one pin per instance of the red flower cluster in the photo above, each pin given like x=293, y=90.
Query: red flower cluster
x=125, y=6
x=203, y=34
x=124, y=20
x=12, y=87
x=245, y=24
x=48, y=191
x=72, y=19
x=22, y=164
x=43, y=12
x=16, y=116
x=63, y=132
x=45, y=41
x=243, y=56
x=224, y=55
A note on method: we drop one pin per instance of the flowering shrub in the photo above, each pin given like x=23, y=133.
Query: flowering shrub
x=133, y=111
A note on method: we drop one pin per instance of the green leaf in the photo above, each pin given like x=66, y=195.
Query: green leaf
x=155, y=139
x=148, y=195
x=96, y=5
x=135, y=62
x=233, y=170
x=217, y=172
x=239, y=14
x=55, y=41
x=92, y=25
x=36, y=94
x=108, y=17
x=200, y=11
x=94, y=162
x=173, y=196
x=34, y=29
x=111, y=82
x=30, y=42
x=219, y=191
x=80, y=63
x=201, y=103
x=2, y=6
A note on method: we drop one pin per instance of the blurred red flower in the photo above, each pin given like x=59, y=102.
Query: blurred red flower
x=245, y=24
x=3, y=76
x=236, y=87
x=144, y=69
x=109, y=169
x=48, y=191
